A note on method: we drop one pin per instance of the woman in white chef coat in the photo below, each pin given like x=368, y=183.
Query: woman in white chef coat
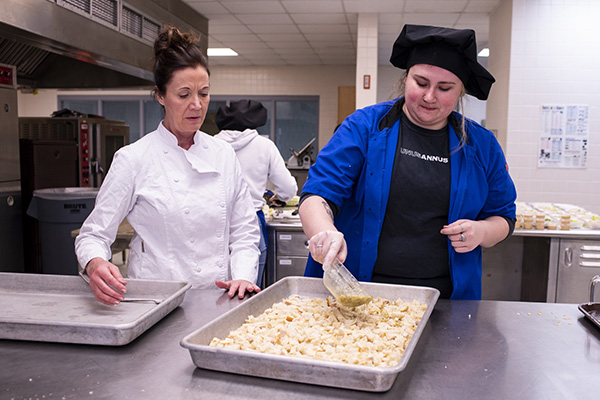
x=259, y=157
x=181, y=190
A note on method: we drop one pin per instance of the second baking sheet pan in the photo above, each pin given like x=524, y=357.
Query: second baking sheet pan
x=61, y=308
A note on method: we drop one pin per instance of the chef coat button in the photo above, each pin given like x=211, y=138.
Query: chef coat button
x=206, y=146
x=193, y=240
x=220, y=264
x=166, y=151
x=175, y=180
x=222, y=204
x=187, y=211
x=218, y=234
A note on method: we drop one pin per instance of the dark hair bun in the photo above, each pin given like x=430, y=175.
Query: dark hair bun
x=175, y=50
x=172, y=39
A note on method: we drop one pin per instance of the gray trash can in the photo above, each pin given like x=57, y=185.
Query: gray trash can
x=59, y=211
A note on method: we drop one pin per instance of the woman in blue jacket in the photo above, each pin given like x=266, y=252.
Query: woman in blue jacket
x=409, y=191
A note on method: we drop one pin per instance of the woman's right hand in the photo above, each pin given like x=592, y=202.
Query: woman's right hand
x=106, y=282
x=328, y=245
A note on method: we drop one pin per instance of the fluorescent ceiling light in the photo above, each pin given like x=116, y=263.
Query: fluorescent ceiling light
x=484, y=52
x=221, y=52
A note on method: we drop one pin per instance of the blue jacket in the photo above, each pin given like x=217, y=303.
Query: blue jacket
x=354, y=171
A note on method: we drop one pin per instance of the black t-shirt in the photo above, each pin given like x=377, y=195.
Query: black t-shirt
x=411, y=248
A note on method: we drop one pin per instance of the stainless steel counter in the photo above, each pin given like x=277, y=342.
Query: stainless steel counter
x=469, y=350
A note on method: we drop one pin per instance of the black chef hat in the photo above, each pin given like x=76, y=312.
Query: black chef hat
x=451, y=49
x=241, y=115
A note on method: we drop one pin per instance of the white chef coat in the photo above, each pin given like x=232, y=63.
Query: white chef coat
x=191, y=212
x=261, y=162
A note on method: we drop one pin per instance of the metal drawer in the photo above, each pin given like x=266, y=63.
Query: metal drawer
x=290, y=266
x=292, y=244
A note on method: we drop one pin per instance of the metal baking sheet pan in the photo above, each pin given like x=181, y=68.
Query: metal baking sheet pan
x=61, y=308
x=326, y=373
x=592, y=311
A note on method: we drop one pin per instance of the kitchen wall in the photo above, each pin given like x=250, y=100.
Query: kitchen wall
x=322, y=81
x=550, y=56
x=42, y=103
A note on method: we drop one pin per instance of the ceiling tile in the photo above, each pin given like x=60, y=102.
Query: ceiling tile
x=319, y=18
x=284, y=51
x=306, y=60
x=297, y=29
x=320, y=6
x=437, y=19
x=335, y=50
x=209, y=8
x=435, y=6
x=241, y=46
x=289, y=45
x=382, y=6
x=326, y=37
x=238, y=38
x=324, y=44
x=325, y=28
x=227, y=29
x=253, y=7
x=222, y=19
x=282, y=28
x=264, y=19
x=283, y=37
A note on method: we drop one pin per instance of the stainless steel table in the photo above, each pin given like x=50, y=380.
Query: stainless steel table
x=469, y=350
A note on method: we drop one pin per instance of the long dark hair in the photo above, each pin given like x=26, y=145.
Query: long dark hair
x=174, y=50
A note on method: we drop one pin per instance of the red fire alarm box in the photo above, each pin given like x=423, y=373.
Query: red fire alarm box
x=366, y=81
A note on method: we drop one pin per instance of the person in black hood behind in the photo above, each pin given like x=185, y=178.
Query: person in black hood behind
x=259, y=157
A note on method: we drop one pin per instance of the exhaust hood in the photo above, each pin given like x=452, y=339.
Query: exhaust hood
x=54, y=45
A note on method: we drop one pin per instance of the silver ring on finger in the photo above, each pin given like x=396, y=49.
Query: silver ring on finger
x=319, y=245
x=462, y=238
x=461, y=228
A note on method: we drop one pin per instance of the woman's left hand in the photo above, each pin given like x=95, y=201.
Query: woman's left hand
x=463, y=234
x=240, y=286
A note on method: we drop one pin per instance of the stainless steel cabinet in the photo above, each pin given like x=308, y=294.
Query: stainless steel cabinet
x=288, y=252
x=578, y=263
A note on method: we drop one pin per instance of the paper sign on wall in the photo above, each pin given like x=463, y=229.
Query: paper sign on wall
x=564, y=136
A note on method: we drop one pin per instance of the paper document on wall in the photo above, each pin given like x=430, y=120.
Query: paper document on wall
x=564, y=136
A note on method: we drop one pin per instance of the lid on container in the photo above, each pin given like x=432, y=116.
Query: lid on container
x=66, y=193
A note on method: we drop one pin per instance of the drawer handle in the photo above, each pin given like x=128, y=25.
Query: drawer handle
x=590, y=264
x=568, y=257
x=590, y=248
